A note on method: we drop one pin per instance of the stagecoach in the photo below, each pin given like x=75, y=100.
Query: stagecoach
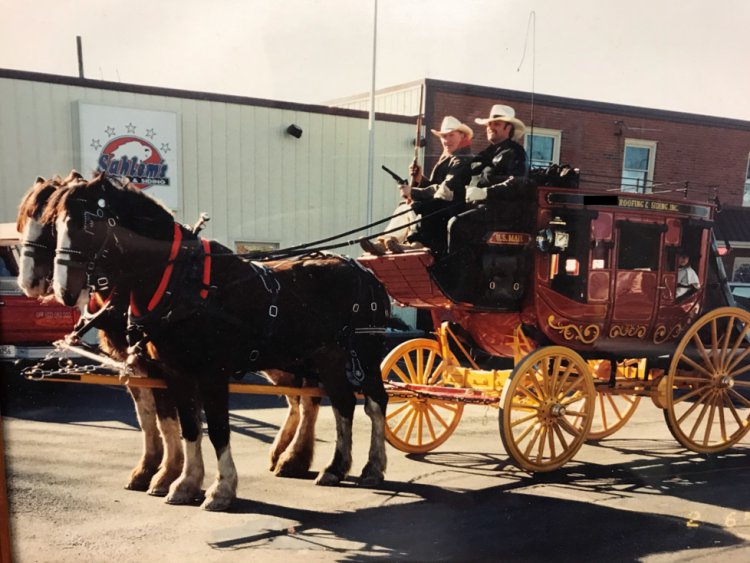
x=577, y=319
x=591, y=322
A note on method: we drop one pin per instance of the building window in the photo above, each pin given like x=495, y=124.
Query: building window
x=543, y=147
x=638, y=166
x=746, y=193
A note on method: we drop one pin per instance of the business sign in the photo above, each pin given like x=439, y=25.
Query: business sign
x=136, y=145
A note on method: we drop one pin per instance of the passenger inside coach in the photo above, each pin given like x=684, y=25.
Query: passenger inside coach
x=687, y=279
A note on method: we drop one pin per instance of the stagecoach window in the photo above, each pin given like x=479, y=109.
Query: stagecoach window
x=569, y=268
x=639, y=246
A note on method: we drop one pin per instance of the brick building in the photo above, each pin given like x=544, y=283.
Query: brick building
x=615, y=146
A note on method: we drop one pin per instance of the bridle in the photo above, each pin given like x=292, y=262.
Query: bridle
x=94, y=262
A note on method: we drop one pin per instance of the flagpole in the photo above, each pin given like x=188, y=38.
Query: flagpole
x=371, y=121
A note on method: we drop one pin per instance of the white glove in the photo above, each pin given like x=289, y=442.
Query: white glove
x=405, y=190
x=476, y=194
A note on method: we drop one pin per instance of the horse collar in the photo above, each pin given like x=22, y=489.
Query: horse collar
x=170, y=283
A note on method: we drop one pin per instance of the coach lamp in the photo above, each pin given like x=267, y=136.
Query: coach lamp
x=554, y=238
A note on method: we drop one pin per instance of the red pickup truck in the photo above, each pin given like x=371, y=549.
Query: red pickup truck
x=27, y=326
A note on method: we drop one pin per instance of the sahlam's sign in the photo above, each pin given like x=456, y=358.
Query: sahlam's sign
x=136, y=145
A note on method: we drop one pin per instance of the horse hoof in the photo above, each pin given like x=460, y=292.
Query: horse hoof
x=291, y=469
x=370, y=481
x=181, y=497
x=217, y=504
x=160, y=483
x=136, y=486
x=326, y=479
x=158, y=492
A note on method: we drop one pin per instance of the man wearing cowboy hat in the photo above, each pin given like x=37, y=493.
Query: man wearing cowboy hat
x=498, y=196
x=443, y=191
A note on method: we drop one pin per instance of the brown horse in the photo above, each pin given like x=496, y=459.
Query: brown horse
x=161, y=459
x=202, y=314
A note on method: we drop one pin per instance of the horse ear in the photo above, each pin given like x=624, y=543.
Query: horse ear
x=74, y=175
x=39, y=180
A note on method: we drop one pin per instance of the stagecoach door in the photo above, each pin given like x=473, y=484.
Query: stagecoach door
x=637, y=273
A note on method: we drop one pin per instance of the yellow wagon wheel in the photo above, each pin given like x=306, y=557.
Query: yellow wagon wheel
x=611, y=413
x=418, y=424
x=546, y=408
x=708, y=384
x=612, y=410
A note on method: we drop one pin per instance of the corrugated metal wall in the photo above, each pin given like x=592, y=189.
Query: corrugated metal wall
x=255, y=181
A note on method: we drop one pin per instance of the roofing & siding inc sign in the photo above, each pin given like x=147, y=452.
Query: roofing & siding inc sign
x=135, y=145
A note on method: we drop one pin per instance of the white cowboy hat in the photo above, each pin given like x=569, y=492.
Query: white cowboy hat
x=500, y=112
x=451, y=124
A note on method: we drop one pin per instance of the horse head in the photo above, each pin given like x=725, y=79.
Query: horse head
x=38, y=239
x=96, y=223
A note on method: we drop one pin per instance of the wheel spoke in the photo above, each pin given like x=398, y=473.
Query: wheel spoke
x=524, y=419
x=551, y=436
x=533, y=440
x=568, y=427
x=741, y=398
x=722, y=421
x=419, y=368
x=738, y=341
x=437, y=374
x=701, y=350
x=725, y=343
x=695, y=365
x=436, y=414
x=542, y=441
x=710, y=422
x=714, y=342
x=399, y=410
x=413, y=377
x=728, y=401
x=561, y=437
x=562, y=380
x=402, y=376
x=408, y=417
x=700, y=417
x=527, y=392
x=577, y=383
x=691, y=394
x=602, y=410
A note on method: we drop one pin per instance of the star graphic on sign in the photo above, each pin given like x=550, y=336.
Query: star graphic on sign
x=130, y=128
x=165, y=147
x=95, y=144
x=150, y=133
x=110, y=131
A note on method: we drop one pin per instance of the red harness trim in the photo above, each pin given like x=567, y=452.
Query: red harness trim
x=168, y=270
x=206, y=267
x=167, y=274
x=96, y=303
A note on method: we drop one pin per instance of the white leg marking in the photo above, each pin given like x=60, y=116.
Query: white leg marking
x=223, y=491
x=188, y=486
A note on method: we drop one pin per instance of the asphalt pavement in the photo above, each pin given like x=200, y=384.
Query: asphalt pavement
x=637, y=496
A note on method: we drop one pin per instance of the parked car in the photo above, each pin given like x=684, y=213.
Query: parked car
x=27, y=326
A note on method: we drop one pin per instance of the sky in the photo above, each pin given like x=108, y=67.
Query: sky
x=681, y=55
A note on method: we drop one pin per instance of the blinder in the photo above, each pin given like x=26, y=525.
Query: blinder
x=93, y=262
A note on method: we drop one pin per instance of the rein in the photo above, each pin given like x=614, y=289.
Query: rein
x=311, y=247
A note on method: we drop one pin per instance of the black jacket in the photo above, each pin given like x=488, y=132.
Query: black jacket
x=497, y=163
x=448, y=178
